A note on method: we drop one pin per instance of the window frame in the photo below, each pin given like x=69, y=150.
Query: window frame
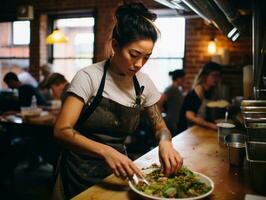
x=170, y=13
x=65, y=15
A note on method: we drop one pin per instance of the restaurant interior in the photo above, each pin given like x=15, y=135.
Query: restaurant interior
x=193, y=33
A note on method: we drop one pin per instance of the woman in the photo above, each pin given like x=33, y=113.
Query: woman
x=172, y=99
x=205, y=82
x=95, y=136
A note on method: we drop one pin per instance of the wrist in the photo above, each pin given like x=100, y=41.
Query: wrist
x=104, y=151
x=163, y=142
x=164, y=135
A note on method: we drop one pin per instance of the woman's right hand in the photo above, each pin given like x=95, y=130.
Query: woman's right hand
x=121, y=165
x=212, y=126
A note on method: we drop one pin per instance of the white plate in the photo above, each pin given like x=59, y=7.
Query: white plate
x=202, y=178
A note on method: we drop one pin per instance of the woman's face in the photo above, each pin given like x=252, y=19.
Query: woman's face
x=213, y=78
x=129, y=59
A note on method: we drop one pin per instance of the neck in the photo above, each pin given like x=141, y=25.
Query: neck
x=114, y=68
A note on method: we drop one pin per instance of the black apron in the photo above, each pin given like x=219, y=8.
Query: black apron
x=104, y=121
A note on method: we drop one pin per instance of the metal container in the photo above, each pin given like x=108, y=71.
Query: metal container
x=213, y=113
x=257, y=150
x=236, y=148
x=257, y=172
x=224, y=129
x=256, y=132
x=253, y=103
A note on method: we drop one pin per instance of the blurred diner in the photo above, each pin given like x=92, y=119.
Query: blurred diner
x=171, y=100
x=195, y=101
x=25, y=91
x=58, y=84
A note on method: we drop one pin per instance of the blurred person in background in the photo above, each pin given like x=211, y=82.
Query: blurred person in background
x=203, y=88
x=59, y=85
x=172, y=99
x=45, y=71
x=26, y=78
x=25, y=91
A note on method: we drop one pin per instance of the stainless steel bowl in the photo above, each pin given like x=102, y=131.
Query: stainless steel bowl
x=236, y=148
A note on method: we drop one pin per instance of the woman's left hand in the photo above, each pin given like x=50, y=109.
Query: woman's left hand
x=170, y=159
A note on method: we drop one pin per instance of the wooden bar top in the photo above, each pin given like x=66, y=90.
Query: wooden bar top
x=202, y=153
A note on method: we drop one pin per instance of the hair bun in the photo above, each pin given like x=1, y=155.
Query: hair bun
x=137, y=9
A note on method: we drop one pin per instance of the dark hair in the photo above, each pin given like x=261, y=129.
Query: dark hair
x=210, y=67
x=10, y=76
x=205, y=71
x=134, y=22
x=55, y=79
x=178, y=73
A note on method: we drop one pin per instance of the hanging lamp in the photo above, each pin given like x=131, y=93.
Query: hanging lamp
x=56, y=37
x=212, y=46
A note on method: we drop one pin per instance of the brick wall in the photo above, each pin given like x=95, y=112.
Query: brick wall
x=197, y=34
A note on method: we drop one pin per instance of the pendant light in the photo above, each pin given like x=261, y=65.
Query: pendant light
x=212, y=47
x=56, y=37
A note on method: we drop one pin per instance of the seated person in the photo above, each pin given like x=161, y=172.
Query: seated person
x=205, y=82
x=45, y=72
x=26, y=78
x=58, y=84
x=25, y=91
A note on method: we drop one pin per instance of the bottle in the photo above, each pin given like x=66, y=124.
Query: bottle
x=33, y=102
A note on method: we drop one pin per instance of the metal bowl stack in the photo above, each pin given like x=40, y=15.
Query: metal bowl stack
x=254, y=114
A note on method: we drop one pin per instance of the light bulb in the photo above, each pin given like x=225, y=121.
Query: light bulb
x=212, y=47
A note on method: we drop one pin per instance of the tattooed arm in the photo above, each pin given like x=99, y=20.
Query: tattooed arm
x=158, y=124
x=170, y=159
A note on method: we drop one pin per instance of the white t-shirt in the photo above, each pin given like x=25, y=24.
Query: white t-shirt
x=27, y=78
x=118, y=88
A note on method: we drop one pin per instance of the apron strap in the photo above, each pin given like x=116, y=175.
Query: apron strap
x=97, y=99
x=138, y=90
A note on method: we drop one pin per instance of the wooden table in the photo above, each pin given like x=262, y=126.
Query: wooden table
x=39, y=129
x=202, y=153
x=46, y=118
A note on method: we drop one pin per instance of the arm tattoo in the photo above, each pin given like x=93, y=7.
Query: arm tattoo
x=159, y=127
x=163, y=134
x=154, y=115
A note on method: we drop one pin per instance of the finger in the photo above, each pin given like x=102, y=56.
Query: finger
x=162, y=165
x=174, y=165
x=127, y=169
x=167, y=165
x=179, y=161
x=116, y=172
x=123, y=173
x=136, y=170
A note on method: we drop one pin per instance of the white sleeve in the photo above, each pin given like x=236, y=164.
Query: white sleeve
x=151, y=93
x=82, y=85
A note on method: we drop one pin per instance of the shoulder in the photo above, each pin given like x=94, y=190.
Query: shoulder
x=143, y=79
x=151, y=93
x=85, y=83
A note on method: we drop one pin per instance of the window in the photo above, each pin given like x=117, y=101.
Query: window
x=168, y=53
x=79, y=50
x=14, y=47
x=21, y=33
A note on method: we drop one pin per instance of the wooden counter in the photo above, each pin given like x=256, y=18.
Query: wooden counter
x=202, y=153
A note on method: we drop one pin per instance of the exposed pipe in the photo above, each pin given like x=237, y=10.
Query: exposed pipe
x=208, y=9
x=230, y=11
